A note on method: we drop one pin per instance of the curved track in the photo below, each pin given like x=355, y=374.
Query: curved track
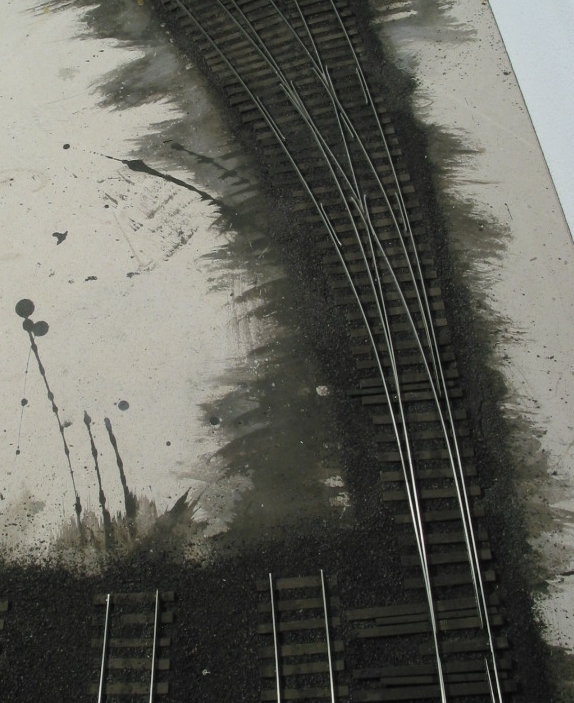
x=292, y=71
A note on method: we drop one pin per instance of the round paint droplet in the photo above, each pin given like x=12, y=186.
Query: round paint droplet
x=123, y=405
x=24, y=402
x=24, y=307
x=66, y=146
x=40, y=328
x=168, y=444
x=28, y=325
x=17, y=452
x=214, y=420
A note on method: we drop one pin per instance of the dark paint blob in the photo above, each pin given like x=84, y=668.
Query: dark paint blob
x=91, y=278
x=40, y=328
x=24, y=307
x=168, y=444
x=24, y=402
x=123, y=405
x=66, y=146
x=17, y=452
x=28, y=325
x=214, y=420
x=60, y=236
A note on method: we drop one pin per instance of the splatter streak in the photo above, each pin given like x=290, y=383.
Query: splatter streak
x=24, y=308
x=108, y=532
x=129, y=498
x=23, y=402
x=141, y=167
x=202, y=159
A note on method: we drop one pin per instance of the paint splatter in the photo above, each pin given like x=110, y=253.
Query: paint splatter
x=24, y=308
x=60, y=236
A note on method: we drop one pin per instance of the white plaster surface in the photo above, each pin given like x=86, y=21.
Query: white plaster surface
x=160, y=339
x=466, y=88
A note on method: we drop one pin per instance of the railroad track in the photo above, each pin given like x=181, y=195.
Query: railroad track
x=303, y=657
x=131, y=646
x=293, y=72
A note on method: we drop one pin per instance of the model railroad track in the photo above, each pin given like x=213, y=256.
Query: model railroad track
x=131, y=646
x=303, y=658
x=293, y=72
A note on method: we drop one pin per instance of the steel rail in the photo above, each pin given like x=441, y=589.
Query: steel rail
x=104, y=650
x=275, y=640
x=154, y=646
x=328, y=637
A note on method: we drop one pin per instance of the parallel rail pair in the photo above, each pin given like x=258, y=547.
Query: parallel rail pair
x=132, y=623
x=302, y=612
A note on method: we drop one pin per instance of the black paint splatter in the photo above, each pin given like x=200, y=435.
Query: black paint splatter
x=123, y=405
x=202, y=159
x=108, y=533
x=24, y=308
x=141, y=167
x=60, y=236
x=129, y=497
x=40, y=328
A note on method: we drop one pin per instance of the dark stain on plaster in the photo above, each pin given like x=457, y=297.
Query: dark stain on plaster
x=60, y=236
x=130, y=502
x=203, y=159
x=108, y=532
x=140, y=166
x=24, y=308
